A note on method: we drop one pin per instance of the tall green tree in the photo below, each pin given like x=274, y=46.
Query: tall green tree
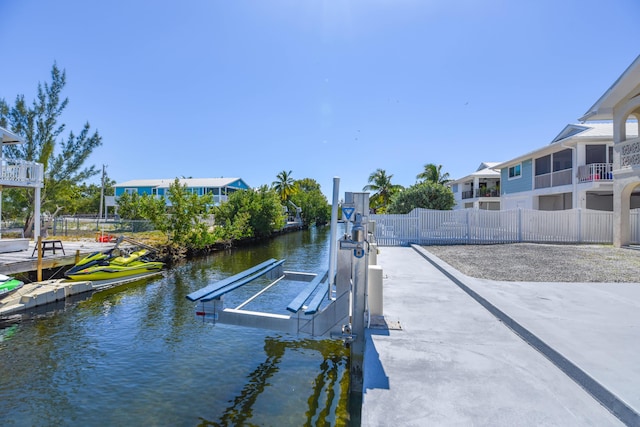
x=249, y=213
x=39, y=123
x=85, y=198
x=139, y=209
x=185, y=223
x=314, y=205
x=130, y=206
x=433, y=173
x=427, y=195
x=284, y=185
x=182, y=221
x=380, y=184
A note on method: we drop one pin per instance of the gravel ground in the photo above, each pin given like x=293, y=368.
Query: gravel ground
x=532, y=262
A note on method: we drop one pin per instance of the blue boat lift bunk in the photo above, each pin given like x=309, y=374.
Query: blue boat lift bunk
x=306, y=317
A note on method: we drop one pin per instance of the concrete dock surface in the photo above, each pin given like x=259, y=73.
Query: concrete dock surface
x=458, y=360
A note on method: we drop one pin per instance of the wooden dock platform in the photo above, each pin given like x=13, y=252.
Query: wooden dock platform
x=12, y=263
x=37, y=294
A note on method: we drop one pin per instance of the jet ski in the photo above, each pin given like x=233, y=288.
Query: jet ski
x=8, y=285
x=113, y=264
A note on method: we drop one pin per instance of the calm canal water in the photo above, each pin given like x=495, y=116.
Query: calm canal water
x=137, y=355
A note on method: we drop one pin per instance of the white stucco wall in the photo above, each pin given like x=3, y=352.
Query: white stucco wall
x=515, y=202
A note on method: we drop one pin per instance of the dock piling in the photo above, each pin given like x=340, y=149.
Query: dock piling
x=39, y=265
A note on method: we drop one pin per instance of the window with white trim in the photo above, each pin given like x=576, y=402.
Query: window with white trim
x=515, y=171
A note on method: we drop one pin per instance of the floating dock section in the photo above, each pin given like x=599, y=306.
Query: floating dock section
x=37, y=294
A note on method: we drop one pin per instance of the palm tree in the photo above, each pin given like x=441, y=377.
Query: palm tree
x=433, y=173
x=285, y=186
x=380, y=184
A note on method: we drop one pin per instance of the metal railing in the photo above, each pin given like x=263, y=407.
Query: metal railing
x=481, y=192
x=70, y=226
x=487, y=192
x=595, y=172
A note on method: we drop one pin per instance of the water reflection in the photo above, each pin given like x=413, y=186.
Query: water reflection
x=141, y=350
x=330, y=386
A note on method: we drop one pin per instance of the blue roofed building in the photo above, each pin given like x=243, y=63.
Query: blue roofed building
x=220, y=188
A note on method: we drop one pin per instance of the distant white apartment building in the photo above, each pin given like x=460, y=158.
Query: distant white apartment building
x=479, y=190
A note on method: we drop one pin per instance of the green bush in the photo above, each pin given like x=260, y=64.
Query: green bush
x=427, y=195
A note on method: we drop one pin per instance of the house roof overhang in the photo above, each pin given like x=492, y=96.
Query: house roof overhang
x=627, y=86
x=547, y=149
x=485, y=170
x=570, y=137
x=10, y=137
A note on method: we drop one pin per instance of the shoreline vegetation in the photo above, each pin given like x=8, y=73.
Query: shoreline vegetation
x=171, y=253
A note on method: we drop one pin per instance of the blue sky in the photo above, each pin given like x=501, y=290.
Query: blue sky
x=211, y=88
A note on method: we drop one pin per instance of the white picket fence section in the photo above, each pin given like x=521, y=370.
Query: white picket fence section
x=473, y=226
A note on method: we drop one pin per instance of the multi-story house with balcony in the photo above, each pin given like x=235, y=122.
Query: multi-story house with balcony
x=591, y=165
x=621, y=104
x=220, y=188
x=19, y=174
x=574, y=171
x=479, y=190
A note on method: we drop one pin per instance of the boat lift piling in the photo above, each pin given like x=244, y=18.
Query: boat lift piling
x=333, y=303
x=356, y=249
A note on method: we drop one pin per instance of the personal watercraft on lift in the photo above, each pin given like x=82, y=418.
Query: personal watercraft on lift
x=109, y=265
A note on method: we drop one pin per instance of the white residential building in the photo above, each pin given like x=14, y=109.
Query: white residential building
x=592, y=165
x=479, y=190
x=574, y=171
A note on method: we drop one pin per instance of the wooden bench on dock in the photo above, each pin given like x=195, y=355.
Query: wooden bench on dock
x=50, y=245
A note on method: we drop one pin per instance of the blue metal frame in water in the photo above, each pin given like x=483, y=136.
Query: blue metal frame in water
x=295, y=305
x=205, y=294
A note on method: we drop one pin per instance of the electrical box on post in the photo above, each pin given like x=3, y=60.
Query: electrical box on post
x=356, y=203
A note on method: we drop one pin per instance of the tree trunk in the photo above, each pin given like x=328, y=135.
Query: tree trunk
x=28, y=227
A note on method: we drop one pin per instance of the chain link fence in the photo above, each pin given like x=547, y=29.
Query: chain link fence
x=78, y=227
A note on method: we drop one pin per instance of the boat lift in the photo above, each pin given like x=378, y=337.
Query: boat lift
x=334, y=303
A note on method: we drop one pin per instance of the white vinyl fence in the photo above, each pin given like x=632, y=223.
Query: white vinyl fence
x=473, y=226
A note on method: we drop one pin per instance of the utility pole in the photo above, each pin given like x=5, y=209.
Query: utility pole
x=101, y=194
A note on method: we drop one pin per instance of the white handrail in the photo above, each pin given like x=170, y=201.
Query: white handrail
x=21, y=171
